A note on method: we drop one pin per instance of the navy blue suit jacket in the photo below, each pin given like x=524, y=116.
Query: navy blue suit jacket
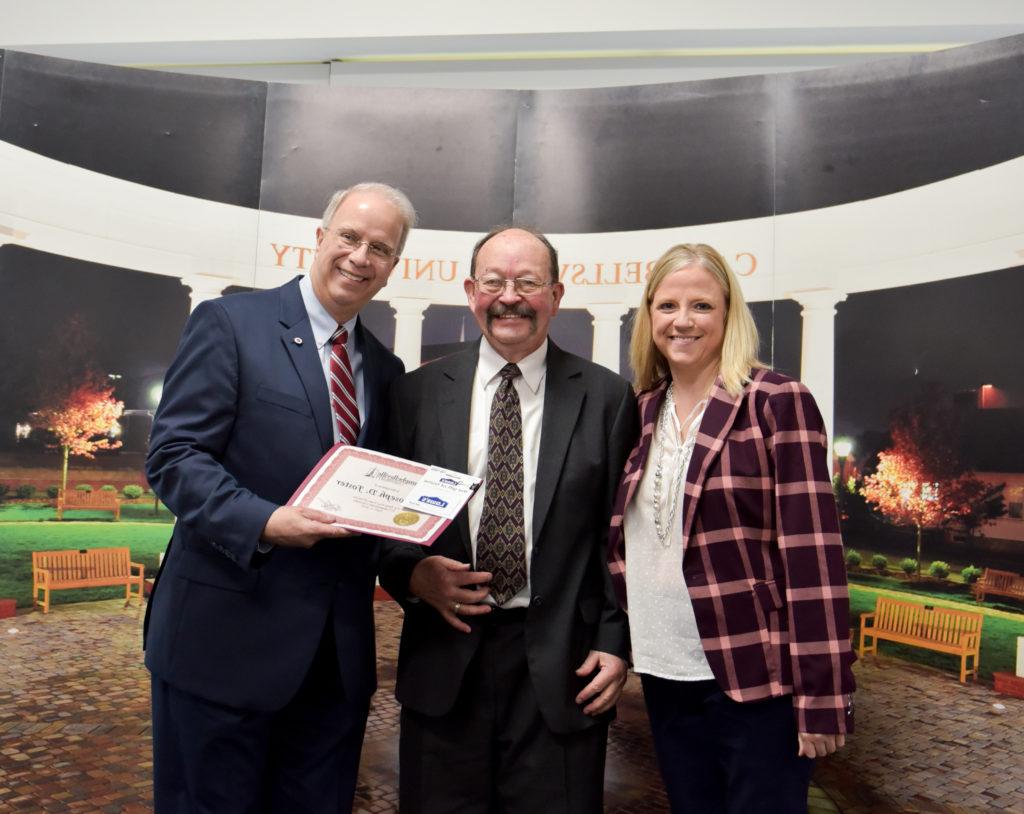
x=245, y=415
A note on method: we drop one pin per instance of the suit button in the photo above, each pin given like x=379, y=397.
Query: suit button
x=537, y=601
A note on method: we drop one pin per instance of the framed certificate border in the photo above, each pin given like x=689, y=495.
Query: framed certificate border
x=332, y=481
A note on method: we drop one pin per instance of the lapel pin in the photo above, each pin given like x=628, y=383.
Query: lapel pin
x=297, y=340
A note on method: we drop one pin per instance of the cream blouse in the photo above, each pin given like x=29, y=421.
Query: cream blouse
x=662, y=626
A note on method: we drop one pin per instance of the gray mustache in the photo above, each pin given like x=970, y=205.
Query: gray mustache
x=519, y=310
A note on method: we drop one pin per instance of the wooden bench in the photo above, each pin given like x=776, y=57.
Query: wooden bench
x=941, y=629
x=74, y=499
x=1001, y=583
x=85, y=568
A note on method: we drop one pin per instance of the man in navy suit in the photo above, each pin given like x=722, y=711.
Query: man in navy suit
x=259, y=633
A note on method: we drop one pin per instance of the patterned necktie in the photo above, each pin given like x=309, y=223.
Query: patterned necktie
x=501, y=539
x=343, y=390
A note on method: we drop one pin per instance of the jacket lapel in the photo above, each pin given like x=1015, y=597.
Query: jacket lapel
x=649, y=404
x=454, y=398
x=297, y=336
x=563, y=398
x=372, y=391
x=714, y=427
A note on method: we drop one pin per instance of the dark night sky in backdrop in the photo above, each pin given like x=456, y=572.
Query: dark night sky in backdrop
x=960, y=333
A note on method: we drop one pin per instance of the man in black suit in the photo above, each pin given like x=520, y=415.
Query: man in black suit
x=513, y=647
x=260, y=635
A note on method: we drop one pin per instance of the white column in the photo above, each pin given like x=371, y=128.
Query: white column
x=818, y=349
x=409, y=329
x=607, y=330
x=203, y=287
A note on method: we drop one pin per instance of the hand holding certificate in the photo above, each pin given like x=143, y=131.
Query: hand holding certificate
x=380, y=494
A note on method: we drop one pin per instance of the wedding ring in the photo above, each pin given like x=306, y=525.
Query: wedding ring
x=457, y=606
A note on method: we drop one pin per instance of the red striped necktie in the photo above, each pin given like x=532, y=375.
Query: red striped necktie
x=343, y=390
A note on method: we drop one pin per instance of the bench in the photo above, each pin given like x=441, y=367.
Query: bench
x=100, y=499
x=85, y=568
x=941, y=629
x=1001, y=583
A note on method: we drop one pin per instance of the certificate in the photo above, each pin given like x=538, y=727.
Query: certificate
x=384, y=495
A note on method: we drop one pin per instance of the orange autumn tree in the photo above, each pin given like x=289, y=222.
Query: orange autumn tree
x=82, y=421
x=924, y=480
x=903, y=492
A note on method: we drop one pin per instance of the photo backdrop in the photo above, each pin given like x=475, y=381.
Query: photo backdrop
x=874, y=213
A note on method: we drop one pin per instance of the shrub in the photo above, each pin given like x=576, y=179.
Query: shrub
x=852, y=558
x=132, y=491
x=939, y=569
x=970, y=574
x=83, y=487
x=908, y=565
x=108, y=488
x=25, y=491
x=880, y=563
x=52, y=491
x=3, y=491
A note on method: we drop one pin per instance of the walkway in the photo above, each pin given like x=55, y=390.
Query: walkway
x=74, y=730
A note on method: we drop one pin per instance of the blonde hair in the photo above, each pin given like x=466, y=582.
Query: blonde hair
x=740, y=345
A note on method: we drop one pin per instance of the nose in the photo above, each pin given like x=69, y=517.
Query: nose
x=509, y=293
x=683, y=318
x=361, y=253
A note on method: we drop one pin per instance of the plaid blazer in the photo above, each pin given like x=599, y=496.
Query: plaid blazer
x=762, y=554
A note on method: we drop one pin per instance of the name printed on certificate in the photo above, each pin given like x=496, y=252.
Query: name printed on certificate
x=384, y=495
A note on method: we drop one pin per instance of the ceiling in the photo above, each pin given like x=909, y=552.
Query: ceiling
x=528, y=44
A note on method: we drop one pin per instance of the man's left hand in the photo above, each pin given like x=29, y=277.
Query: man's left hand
x=812, y=745
x=606, y=686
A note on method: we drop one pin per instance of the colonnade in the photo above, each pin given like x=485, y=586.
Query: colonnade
x=817, y=358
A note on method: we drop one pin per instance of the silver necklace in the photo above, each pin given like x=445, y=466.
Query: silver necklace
x=678, y=459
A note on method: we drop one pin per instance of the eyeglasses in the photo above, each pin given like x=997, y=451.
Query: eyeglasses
x=523, y=286
x=351, y=241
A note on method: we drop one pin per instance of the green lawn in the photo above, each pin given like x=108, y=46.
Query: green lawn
x=18, y=540
x=34, y=512
x=998, y=634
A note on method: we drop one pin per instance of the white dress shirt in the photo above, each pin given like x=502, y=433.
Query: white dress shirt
x=530, y=388
x=662, y=627
x=324, y=326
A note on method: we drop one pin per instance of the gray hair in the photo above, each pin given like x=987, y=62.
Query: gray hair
x=396, y=196
x=497, y=230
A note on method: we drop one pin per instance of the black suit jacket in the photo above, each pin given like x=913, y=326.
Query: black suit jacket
x=245, y=414
x=589, y=425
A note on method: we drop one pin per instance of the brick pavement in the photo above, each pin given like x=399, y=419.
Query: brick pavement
x=75, y=736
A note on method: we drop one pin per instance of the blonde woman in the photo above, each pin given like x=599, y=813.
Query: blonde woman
x=735, y=585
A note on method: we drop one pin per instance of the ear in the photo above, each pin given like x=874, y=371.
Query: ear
x=557, y=292
x=469, y=286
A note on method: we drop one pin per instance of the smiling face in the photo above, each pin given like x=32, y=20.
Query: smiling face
x=515, y=324
x=688, y=313
x=345, y=279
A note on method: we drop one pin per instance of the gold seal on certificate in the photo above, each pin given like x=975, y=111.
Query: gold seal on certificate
x=383, y=495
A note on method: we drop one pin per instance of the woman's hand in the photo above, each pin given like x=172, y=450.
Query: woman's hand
x=812, y=745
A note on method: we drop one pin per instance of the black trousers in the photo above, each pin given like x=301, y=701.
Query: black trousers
x=208, y=757
x=718, y=756
x=493, y=753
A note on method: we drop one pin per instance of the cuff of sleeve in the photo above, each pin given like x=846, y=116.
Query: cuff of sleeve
x=397, y=567
x=824, y=715
x=257, y=521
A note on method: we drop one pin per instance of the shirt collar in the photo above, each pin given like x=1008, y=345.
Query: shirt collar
x=320, y=320
x=532, y=367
